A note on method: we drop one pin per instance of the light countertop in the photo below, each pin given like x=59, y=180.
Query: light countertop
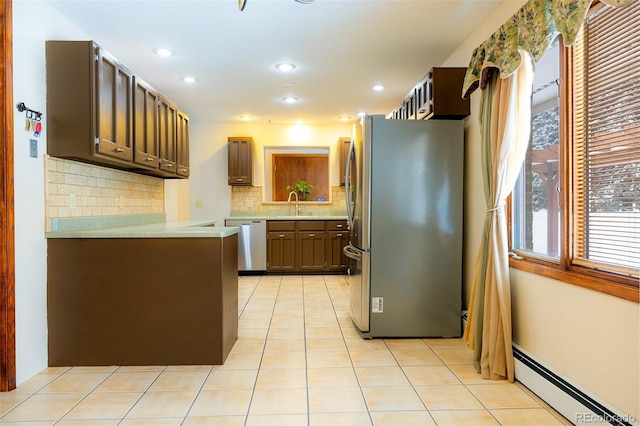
x=158, y=229
x=286, y=216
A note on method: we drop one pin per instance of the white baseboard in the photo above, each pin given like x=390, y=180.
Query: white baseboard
x=566, y=398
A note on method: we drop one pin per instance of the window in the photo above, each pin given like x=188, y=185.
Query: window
x=575, y=211
x=536, y=197
x=286, y=165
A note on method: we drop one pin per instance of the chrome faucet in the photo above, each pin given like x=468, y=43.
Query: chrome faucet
x=289, y=200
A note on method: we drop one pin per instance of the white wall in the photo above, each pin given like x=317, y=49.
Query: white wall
x=208, y=158
x=34, y=22
x=589, y=338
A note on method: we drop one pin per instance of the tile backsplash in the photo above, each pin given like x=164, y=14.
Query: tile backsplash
x=249, y=199
x=76, y=189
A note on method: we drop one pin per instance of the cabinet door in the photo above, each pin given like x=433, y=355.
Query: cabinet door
x=438, y=95
x=113, y=107
x=336, y=259
x=167, y=139
x=240, y=160
x=446, y=89
x=344, y=145
x=182, y=144
x=281, y=251
x=145, y=124
x=311, y=250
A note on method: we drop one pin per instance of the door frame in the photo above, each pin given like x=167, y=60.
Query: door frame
x=7, y=218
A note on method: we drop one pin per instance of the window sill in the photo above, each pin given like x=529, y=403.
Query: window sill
x=614, y=285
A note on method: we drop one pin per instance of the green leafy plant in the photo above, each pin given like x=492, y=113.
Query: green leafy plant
x=302, y=187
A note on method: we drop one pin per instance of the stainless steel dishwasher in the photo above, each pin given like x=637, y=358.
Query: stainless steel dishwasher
x=252, y=244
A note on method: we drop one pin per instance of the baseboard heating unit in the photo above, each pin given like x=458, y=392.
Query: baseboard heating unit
x=574, y=404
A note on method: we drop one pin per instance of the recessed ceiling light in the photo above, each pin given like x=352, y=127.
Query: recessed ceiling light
x=344, y=118
x=162, y=52
x=362, y=114
x=378, y=87
x=189, y=80
x=246, y=118
x=290, y=99
x=286, y=67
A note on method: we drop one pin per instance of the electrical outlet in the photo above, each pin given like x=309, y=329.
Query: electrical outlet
x=248, y=203
x=198, y=204
x=33, y=148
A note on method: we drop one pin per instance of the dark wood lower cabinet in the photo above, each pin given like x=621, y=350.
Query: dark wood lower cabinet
x=306, y=246
x=335, y=257
x=311, y=251
x=281, y=251
x=142, y=301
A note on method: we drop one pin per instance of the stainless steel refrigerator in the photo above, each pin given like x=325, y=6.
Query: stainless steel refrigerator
x=404, y=201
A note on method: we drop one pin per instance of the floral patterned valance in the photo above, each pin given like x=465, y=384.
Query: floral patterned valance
x=531, y=29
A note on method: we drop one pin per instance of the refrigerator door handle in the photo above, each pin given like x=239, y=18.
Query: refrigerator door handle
x=348, y=184
x=353, y=252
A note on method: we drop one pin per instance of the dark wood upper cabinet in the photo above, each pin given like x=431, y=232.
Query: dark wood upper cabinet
x=168, y=135
x=182, y=144
x=114, y=107
x=89, y=104
x=240, y=161
x=99, y=112
x=437, y=95
x=145, y=124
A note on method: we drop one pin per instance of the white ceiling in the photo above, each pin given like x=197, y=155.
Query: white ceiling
x=341, y=48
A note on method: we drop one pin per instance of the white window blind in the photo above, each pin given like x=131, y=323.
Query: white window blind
x=607, y=141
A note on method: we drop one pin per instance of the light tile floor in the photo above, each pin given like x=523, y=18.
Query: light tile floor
x=298, y=361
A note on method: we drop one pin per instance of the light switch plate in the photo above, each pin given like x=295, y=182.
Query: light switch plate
x=33, y=148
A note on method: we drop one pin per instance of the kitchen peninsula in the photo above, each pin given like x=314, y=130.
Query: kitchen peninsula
x=159, y=293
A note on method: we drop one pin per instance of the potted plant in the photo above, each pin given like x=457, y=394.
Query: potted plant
x=302, y=187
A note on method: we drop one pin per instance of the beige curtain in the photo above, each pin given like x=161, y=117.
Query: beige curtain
x=503, y=66
x=505, y=121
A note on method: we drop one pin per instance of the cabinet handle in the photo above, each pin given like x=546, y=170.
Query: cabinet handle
x=281, y=235
x=169, y=165
x=338, y=226
x=238, y=180
x=183, y=170
x=312, y=235
x=118, y=150
x=338, y=235
x=148, y=159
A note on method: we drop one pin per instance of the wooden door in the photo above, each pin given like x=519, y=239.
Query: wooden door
x=290, y=168
x=7, y=231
